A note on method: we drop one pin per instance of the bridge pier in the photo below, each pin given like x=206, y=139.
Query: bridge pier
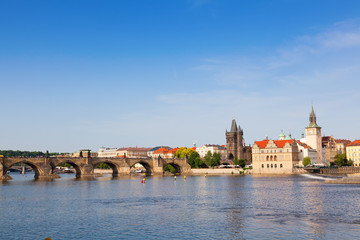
x=158, y=166
x=86, y=170
x=44, y=172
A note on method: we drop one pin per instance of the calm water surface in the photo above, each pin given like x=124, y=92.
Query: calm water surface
x=223, y=207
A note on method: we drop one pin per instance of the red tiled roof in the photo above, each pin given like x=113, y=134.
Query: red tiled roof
x=326, y=138
x=304, y=145
x=354, y=143
x=174, y=150
x=161, y=151
x=342, y=141
x=279, y=143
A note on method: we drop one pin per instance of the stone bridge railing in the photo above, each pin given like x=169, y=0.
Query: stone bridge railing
x=84, y=166
x=340, y=170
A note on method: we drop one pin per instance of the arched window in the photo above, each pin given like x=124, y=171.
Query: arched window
x=275, y=158
x=267, y=158
x=271, y=158
x=280, y=165
x=268, y=166
x=275, y=165
x=262, y=165
x=271, y=166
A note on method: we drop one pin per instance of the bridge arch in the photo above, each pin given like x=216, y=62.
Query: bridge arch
x=36, y=169
x=176, y=168
x=74, y=165
x=112, y=166
x=146, y=165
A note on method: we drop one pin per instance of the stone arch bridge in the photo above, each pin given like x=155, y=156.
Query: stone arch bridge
x=44, y=166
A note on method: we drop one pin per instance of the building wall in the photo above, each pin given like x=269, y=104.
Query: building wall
x=313, y=139
x=203, y=150
x=107, y=152
x=353, y=154
x=273, y=159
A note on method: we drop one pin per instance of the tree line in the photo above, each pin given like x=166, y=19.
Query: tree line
x=17, y=153
x=210, y=159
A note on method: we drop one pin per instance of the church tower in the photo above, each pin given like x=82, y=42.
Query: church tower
x=313, y=136
x=235, y=142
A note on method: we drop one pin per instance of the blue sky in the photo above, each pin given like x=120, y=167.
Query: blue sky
x=86, y=74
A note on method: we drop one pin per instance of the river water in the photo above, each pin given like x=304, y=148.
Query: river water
x=216, y=207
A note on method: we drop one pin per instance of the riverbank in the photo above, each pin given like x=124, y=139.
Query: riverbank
x=196, y=171
x=219, y=171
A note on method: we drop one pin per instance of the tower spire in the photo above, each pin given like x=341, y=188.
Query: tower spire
x=312, y=118
x=233, y=126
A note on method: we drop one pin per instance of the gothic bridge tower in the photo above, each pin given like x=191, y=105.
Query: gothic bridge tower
x=235, y=142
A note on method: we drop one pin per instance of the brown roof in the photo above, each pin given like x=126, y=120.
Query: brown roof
x=342, y=141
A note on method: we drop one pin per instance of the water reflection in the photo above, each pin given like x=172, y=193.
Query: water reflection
x=222, y=207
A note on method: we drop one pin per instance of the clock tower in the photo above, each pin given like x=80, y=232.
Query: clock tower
x=313, y=136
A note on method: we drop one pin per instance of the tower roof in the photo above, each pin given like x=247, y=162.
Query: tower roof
x=312, y=119
x=233, y=126
x=282, y=134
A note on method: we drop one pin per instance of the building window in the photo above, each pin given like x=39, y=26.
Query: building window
x=268, y=166
x=280, y=165
x=262, y=165
x=271, y=166
x=275, y=165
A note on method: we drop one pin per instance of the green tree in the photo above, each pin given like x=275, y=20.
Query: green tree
x=340, y=160
x=169, y=168
x=195, y=160
x=215, y=160
x=306, y=161
x=208, y=158
x=103, y=166
x=183, y=152
x=240, y=162
x=68, y=165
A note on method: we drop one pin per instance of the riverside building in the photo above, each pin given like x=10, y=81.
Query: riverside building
x=353, y=152
x=213, y=148
x=275, y=156
x=313, y=138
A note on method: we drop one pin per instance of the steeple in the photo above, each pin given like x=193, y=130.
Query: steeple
x=312, y=118
x=233, y=126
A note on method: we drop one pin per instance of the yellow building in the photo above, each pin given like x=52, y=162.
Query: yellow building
x=353, y=152
x=275, y=156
